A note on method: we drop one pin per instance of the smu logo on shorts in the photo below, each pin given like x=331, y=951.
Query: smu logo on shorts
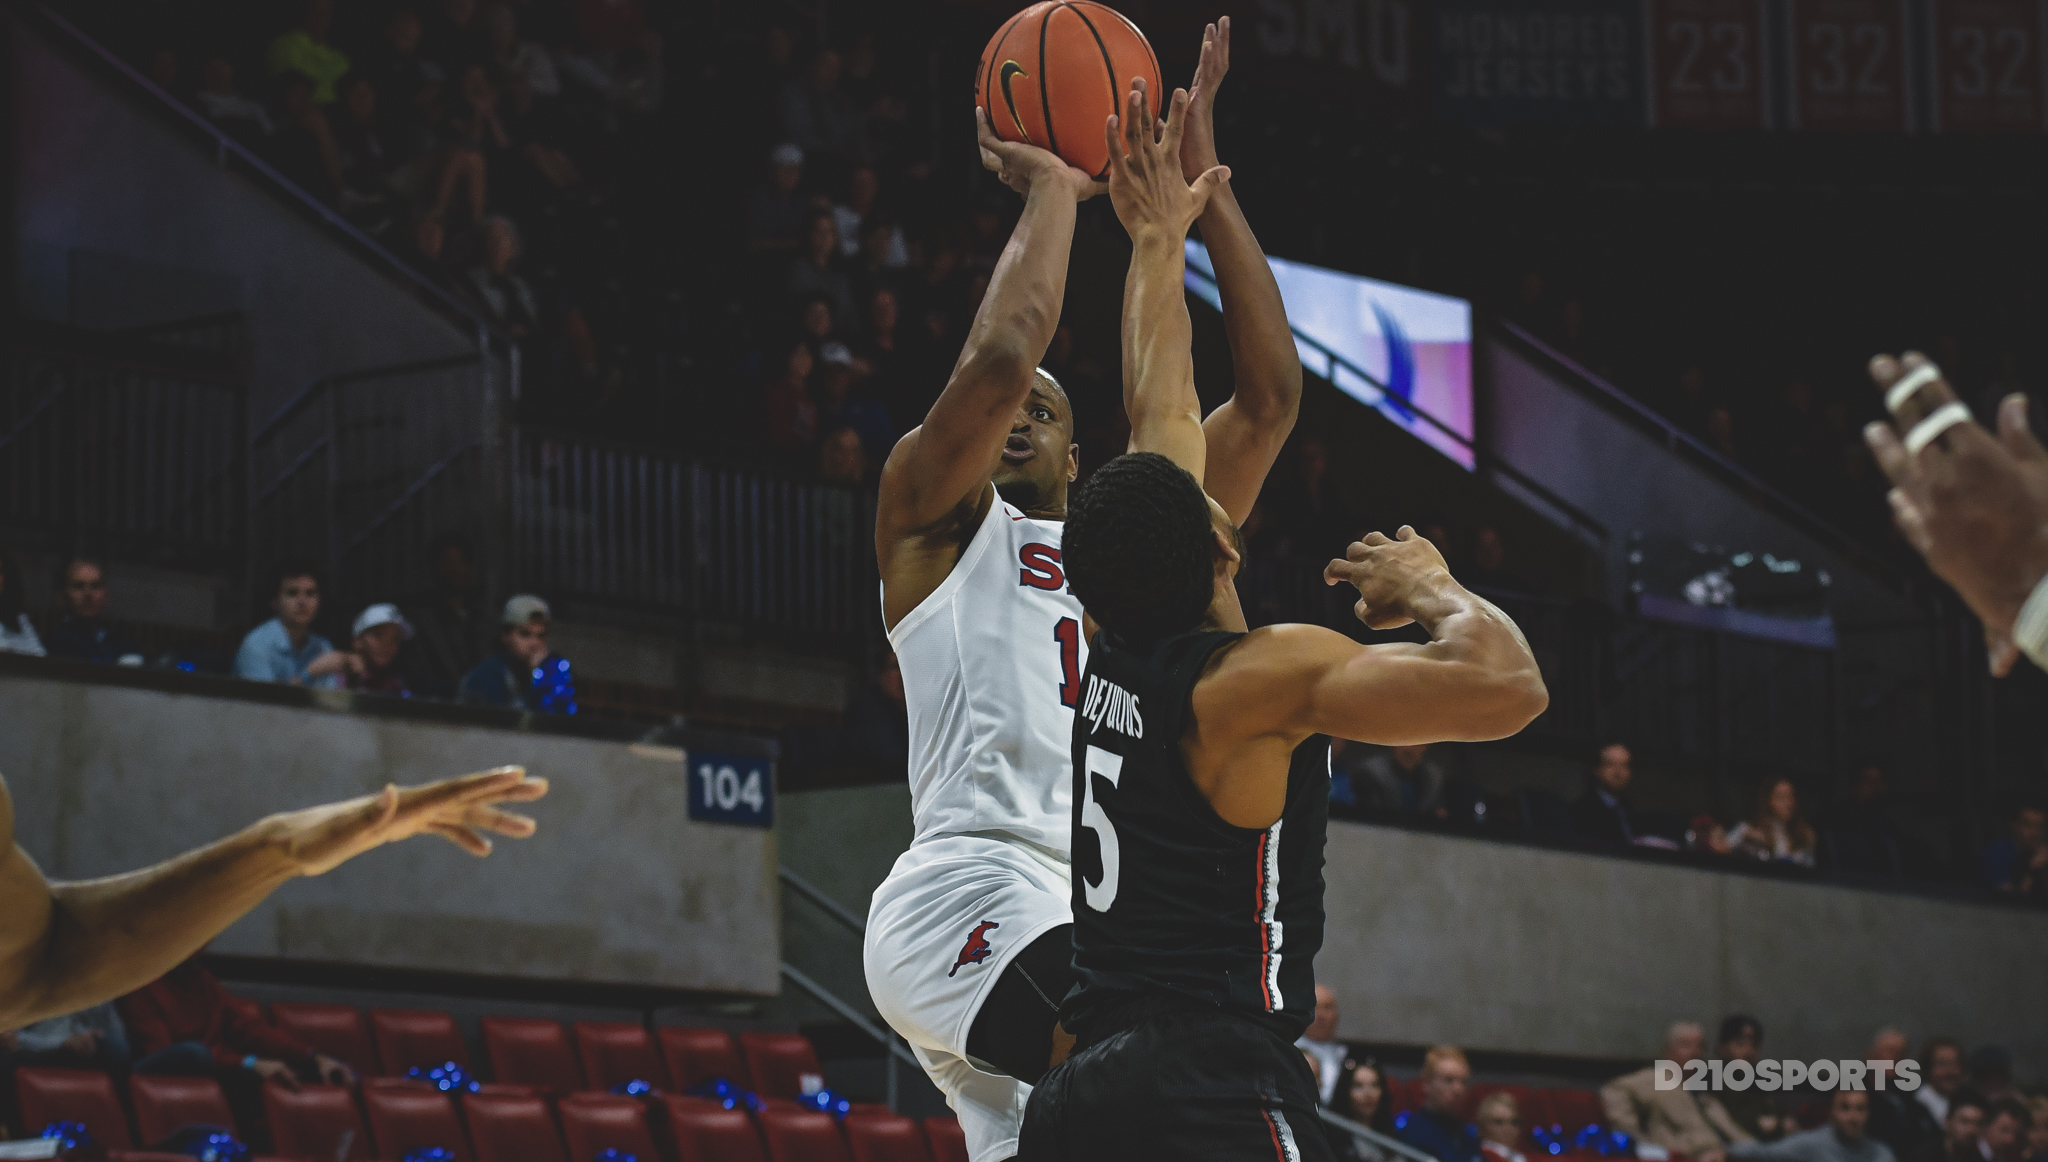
x=977, y=948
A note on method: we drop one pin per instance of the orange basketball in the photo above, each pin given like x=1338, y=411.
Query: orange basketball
x=1054, y=73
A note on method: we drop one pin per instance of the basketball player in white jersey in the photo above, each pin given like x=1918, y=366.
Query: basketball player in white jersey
x=968, y=951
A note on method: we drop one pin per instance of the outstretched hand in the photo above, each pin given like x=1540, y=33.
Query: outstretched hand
x=1974, y=504
x=1198, y=144
x=1022, y=165
x=461, y=810
x=1145, y=182
x=1389, y=575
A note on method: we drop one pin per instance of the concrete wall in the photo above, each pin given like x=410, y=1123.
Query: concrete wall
x=619, y=886
x=122, y=220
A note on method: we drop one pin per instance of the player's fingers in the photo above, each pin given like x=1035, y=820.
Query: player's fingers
x=1175, y=124
x=1891, y=455
x=1375, y=539
x=1112, y=136
x=524, y=791
x=1407, y=533
x=503, y=822
x=482, y=785
x=1206, y=185
x=2014, y=431
x=462, y=837
x=1911, y=520
x=1137, y=117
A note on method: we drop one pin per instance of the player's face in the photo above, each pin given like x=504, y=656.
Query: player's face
x=1039, y=458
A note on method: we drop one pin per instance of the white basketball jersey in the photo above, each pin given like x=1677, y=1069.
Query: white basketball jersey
x=992, y=664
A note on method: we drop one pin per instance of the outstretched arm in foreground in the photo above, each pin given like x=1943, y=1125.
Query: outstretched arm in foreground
x=1157, y=206
x=65, y=947
x=1246, y=432
x=937, y=478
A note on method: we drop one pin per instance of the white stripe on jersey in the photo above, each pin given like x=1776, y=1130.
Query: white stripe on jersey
x=1270, y=878
x=1289, y=1152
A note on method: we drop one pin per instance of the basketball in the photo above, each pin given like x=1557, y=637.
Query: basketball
x=1053, y=74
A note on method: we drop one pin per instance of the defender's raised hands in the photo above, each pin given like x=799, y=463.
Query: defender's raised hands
x=1145, y=182
x=1390, y=574
x=1198, y=143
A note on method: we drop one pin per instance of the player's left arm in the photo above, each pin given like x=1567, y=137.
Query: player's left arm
x=69, y=946
x=1156, y=205
x=1246, y=432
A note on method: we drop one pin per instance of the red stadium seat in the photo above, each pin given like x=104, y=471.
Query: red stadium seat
x=1400, y=1096
x=314, y=1121
x=695, y=1056
x=615, y=1052
x=884, y=1138
x=72, y=1095
x=413, y=1117
x=528, y=1051
x=164, y=1105
x=247, y=1006
x=416, y=1037
x=513, y=1128
x=1573, y=1109
x=703, y=1131
x=794, y=1135
x=336, y=1030
x=594, y=1122
x=779, y=1062
x=948, y=1141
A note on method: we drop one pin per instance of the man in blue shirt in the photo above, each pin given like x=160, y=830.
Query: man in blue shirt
x=523, y=674
x=285, y=649
x=1436, y=1129
x=81, y=631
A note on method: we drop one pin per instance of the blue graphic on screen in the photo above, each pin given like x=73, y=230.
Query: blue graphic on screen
x=1403, y=352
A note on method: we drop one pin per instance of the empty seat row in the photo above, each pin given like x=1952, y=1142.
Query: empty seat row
x=325, y=1122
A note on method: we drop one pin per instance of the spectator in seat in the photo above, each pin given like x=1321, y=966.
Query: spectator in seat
x=304, y=149
x=1500, y=1128
x=91, y=1038
x=379, y=633
x=791, y=413
x=1436, y=1129
x=520, y=59
x=1941, y=1075
x=815, y=272
x=2017, y=865
x=776, y=215
x=1758, y=1112
x=1361, y=1095
x=452, y=630
x=1403, y=780
x=1896, y=1119
x=838, y=407
x=184, y=1025
x=1684, y=1122
x=1843, y=1139
x=1491, y=567
x=2005, y=1130
x=408, y=83
x=2037, y=1129
x=1775, y=831
x=1319, y=1041
x=841, y=457
x=243, y=118
x=1706, y=836
x=817, y=114
x=305, y=50
x=81, y=630
x=1964, y=1126
x=523, y=674
x=17, y=632
x=1602, y=814
x=503, y=295
x=365, y=158
x=1863, y=840
x=285, y=649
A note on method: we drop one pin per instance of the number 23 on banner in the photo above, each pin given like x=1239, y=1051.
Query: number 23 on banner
x=1707, y=64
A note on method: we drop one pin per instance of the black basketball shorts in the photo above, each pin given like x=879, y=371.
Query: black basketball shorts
x=1177, y=1083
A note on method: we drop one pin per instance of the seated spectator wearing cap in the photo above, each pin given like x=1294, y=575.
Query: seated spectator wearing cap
x=1682, y=1122
x=184, y=1024
x=1361, y=1096
x=17, y=632
x=1843, y=1139
x=81, y=630
x=1500, y=1128
x=285, y=649
x=522, y=675
x=379, y=631
x=1758, y=1112
x=1436, y=1129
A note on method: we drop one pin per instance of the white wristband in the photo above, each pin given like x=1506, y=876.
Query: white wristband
x=2030, y=629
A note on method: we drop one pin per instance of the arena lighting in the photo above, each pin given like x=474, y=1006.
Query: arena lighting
x=1405, y=353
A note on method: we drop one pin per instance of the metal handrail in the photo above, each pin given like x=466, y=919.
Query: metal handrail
x=225, y=145
x=824, y=903
x=308, y=392
x=1368, y=1134
x=1480, y=454
x=848, y=1013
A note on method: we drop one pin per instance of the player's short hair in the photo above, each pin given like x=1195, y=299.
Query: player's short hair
x=1058, y=389
x=1438, y=1054
x=1137, y=547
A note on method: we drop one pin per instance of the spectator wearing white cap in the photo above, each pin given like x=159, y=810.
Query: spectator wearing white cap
x=775, y=214
x=523, y=674
x=379, y=631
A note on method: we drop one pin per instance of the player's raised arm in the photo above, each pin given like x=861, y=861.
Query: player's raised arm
x=1156, y=205
x=943, y=466
x=1246, y=432
x=1475, y=680
x=65, y=947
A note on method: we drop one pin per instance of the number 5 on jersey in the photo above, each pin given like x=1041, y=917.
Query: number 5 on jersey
x=1110, y=766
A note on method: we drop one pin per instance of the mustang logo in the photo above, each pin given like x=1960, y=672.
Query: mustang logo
x=1013, y=69
x=977, y=948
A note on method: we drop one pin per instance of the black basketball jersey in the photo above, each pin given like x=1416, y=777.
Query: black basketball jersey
x=1169, y=900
